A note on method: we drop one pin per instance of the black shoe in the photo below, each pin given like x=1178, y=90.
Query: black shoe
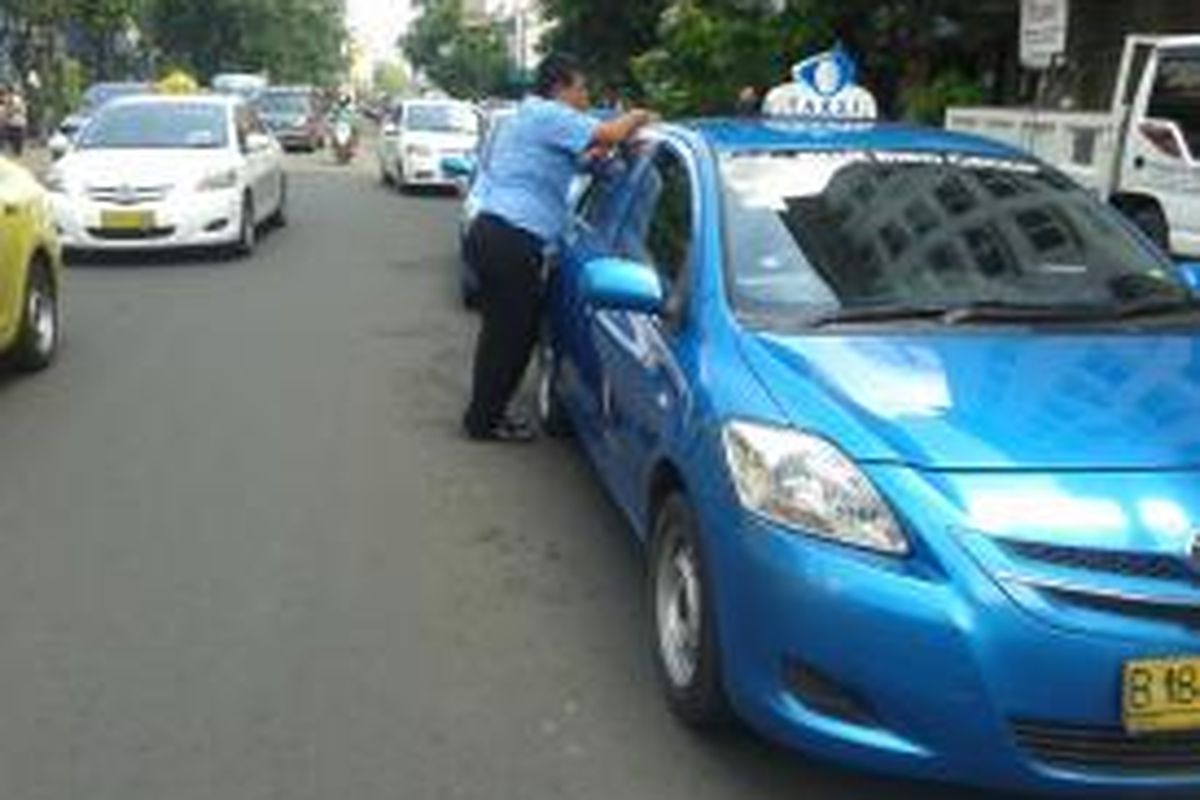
x=506, y=429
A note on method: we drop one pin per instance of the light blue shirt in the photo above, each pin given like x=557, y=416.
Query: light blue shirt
x=529, y=171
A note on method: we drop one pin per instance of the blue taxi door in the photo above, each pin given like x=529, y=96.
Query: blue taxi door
x=591, y=234
x=642, y=388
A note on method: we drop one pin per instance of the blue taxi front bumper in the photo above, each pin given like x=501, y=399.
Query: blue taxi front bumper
x=925, y=667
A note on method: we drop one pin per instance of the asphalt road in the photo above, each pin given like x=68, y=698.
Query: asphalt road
x=245, y=554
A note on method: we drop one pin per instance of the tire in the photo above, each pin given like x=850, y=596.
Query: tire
x=1150, y=219
x=401, y=181
x=280, y=218
x=247, y=230
x=38, y=335
x=684, y=632
x=552, y=416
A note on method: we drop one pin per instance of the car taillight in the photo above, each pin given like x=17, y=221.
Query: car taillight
x=1163, y=137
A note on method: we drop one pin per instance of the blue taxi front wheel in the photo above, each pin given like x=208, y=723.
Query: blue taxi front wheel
x=552, y=417
x=684, y=625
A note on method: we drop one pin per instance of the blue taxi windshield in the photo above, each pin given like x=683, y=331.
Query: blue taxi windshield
x=811, y=234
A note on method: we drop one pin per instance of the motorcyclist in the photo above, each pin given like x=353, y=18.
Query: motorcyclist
x=344, y=119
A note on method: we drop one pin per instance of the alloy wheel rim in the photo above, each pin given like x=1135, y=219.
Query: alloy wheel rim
x=679, y=614
x=545, y=385
x=44, y=319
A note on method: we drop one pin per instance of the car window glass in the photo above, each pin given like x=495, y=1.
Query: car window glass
x=256, y=123
x=241, y=118
x=293, y=104
x=1176, y=94
x=659, y=228
x=598, y=203
x=157, y=125
x=814, y=233
x=441, y=118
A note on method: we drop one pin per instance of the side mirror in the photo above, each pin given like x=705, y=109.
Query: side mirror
x=622, y=285
x=257, y=142
x=58, y=145
x=1190, y=272
x=458, y=166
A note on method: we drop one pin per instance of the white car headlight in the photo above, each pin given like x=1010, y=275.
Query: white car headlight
x=218, y=181
x=419, y=151
x=805, y=483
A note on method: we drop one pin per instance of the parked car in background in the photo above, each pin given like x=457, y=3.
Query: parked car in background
x=171, y=171
x=95, y=97
x=243, y=84
x=419, y=135
x=293, y=115
x=30, y=271
x=1142, y=154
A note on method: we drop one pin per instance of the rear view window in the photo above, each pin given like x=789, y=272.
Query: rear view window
x=1177, y=93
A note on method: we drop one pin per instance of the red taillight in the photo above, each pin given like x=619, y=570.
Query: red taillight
x=1163, y=137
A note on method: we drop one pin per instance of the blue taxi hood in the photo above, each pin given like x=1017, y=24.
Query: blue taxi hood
x=992, y=400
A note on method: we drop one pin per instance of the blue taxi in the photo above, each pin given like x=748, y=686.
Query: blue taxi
x=910, y=426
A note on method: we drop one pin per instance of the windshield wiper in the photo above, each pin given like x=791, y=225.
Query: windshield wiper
x=991, y=311
x=878, y=314
x=1158, y=306
x=1001, y=311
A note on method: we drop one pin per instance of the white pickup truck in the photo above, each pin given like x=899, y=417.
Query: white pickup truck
x=1143, y=155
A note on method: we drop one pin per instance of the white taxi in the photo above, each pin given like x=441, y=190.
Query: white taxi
x=419, y=135
x=153, y=172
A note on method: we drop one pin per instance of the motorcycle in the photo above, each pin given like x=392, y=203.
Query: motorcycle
x=343, y=141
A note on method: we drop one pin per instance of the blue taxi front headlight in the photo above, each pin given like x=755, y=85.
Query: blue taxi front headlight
x=807, y=484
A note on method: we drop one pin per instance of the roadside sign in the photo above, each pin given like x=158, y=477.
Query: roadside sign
x=1043, y=31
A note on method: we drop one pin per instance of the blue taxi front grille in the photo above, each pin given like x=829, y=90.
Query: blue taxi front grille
x=1092, y=585
x=1154, y=566
x=1108, y=750
x=1146, y=608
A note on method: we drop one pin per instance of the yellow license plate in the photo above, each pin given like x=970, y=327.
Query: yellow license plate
x=127, y=220
x=1161, y=695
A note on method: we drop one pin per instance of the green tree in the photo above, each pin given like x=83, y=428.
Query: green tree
x=295, y=41
x=691, y=56
x=708, y=51
x=605, y=36
x=390, y=78
x=466, y=59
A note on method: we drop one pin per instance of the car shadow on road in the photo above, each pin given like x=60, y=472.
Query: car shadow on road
x=768, y=770
x=137, y=259
x=428, y=193
x=183, y=257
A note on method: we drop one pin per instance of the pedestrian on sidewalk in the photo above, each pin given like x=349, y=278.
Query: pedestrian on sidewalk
x=16, y=122
x=523, y=209
x=748, y=102
x=3, y=117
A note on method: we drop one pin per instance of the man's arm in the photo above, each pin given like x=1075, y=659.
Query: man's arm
x=615, y=131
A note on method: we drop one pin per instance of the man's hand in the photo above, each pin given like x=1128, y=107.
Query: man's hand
x=615, y=131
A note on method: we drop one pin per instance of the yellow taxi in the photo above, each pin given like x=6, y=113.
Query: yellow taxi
x=30, y=271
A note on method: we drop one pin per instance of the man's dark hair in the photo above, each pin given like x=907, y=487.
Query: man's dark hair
x=557, y=71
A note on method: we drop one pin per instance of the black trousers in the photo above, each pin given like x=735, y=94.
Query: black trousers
x=508, y=261
x=16, y=140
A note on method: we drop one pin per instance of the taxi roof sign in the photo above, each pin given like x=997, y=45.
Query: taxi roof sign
x=823, y=87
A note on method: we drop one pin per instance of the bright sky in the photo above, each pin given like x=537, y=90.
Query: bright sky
x=377, y=23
